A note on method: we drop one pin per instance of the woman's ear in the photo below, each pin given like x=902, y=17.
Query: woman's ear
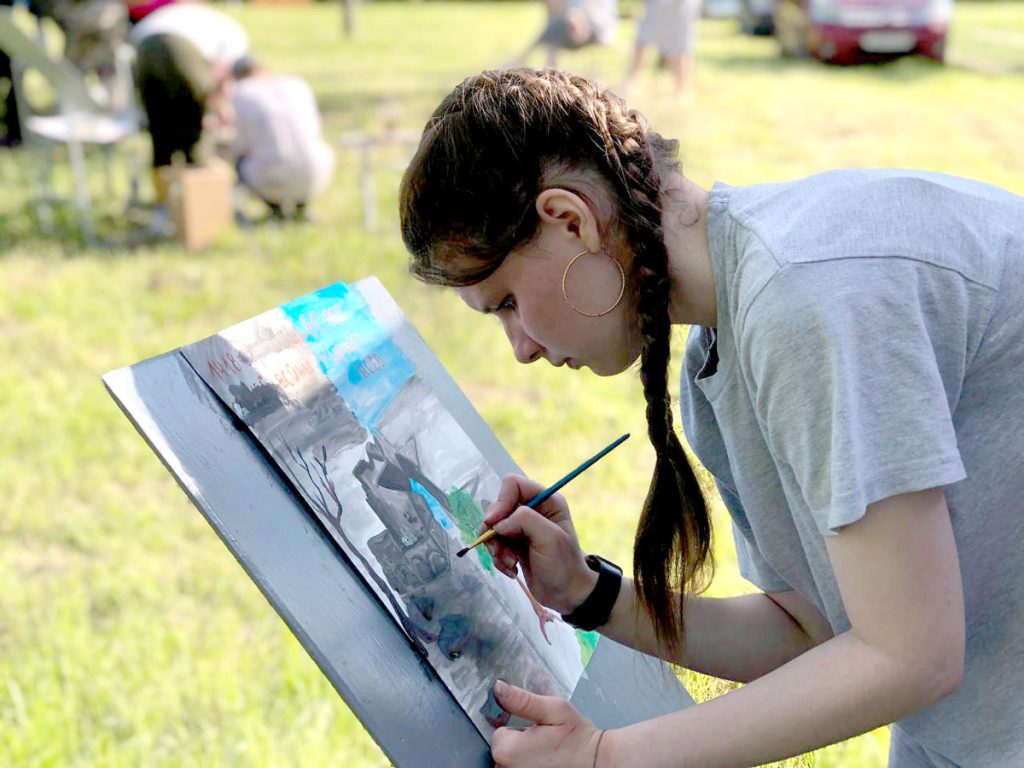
x=569, y=215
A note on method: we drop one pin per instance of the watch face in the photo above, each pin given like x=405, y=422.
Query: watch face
x=598, y=563
x=595, y=610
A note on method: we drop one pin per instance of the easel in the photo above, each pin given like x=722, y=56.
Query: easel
x=309, y=582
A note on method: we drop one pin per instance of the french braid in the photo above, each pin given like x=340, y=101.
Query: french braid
x=469, y=192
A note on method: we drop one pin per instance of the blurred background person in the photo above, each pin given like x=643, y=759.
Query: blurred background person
x=184, y=55
x=278, y=147
x=669, y=26
x=571, y=25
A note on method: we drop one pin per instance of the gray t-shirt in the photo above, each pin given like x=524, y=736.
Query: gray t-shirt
x=870, y=342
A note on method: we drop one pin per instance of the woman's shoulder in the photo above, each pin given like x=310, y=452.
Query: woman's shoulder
x=822, y=208
x=860, y=224
x=874, y=188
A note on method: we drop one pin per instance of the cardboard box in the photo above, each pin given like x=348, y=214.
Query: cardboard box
x=199, y=201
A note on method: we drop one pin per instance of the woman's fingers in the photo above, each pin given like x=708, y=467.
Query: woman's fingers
x=527, y=523
x=515, y=489
x=561, y=737
x=524, y=534
x=543, y=710
x=519, y=534
x=506, y=561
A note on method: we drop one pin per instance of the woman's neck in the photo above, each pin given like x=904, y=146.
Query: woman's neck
x=684, y=218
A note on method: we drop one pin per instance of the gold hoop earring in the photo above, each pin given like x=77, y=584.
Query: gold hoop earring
x=565, y=294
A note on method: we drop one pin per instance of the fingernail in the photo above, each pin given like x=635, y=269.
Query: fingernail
x=500, y=687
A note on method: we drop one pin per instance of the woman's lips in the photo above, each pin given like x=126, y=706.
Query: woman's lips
x=574, y=364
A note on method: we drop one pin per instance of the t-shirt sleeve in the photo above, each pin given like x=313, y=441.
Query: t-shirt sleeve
x=752, y=565
x=853, y=365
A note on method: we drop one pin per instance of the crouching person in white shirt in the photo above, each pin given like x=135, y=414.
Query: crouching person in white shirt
x=278, y=148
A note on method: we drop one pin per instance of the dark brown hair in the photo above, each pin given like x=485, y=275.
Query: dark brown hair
x=468, y=199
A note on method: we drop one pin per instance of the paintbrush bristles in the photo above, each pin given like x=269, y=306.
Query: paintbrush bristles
x=487, y=535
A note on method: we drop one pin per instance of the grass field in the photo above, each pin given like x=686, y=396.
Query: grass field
x=128, y=634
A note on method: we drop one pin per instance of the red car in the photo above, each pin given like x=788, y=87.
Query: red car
x=849, y=31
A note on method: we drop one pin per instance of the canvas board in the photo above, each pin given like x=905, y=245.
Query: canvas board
x=343, y=395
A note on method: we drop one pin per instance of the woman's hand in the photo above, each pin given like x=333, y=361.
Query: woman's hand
x=561, y=736
x=542, y=541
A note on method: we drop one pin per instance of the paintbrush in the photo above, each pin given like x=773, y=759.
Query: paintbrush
x=547, y=493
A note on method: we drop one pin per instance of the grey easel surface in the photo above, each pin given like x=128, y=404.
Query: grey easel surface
x=307, y=579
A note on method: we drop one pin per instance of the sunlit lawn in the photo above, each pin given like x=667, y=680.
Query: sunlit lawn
x=128, y=634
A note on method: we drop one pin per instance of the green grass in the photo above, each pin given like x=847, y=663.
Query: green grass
x=128, y=634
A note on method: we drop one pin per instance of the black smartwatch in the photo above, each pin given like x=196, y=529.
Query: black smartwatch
x=595, y=610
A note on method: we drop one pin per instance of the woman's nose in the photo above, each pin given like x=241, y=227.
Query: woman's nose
x=524, y=347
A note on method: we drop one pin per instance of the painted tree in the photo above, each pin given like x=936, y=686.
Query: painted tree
x=323, y=496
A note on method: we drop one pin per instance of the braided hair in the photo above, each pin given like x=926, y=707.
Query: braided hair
x=468, y=199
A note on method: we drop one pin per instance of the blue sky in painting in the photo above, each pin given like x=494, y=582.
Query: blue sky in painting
x=352, y=349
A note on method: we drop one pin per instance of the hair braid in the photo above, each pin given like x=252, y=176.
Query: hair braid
x=468, y=199
x=672, y=545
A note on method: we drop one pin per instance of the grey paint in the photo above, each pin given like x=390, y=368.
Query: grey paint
x=429, y=369
x=308, y=581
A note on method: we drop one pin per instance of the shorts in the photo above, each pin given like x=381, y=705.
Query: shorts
x=174, y=82
x=670, y=26
x=557, y=34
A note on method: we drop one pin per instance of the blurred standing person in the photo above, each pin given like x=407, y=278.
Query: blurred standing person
x=278, y=146
x=185, y=52
x=670, y=26
x=574, y=24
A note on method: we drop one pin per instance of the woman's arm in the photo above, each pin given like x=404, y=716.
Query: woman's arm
x=899, y=577
x=738, y=638
x=735, y=638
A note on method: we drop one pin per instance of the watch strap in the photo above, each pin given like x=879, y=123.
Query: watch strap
x=597, y=608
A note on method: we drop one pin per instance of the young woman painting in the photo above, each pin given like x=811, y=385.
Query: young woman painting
x=852, y=381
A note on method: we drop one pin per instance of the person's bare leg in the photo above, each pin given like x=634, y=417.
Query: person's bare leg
x=554, y=8
x=520, y=60
x=682, y=74
x=578, y=26
x=635, y=65
x=159, y=185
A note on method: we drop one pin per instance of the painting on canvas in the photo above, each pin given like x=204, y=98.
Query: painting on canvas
x=353, y=423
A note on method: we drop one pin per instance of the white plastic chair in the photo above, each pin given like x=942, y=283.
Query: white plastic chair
x=82, y=117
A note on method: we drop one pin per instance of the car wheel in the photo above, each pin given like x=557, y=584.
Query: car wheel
x=937, y=50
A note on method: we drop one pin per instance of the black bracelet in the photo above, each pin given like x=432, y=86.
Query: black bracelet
x=597, y=608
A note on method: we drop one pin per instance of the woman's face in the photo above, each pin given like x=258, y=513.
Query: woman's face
x=525, y=294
